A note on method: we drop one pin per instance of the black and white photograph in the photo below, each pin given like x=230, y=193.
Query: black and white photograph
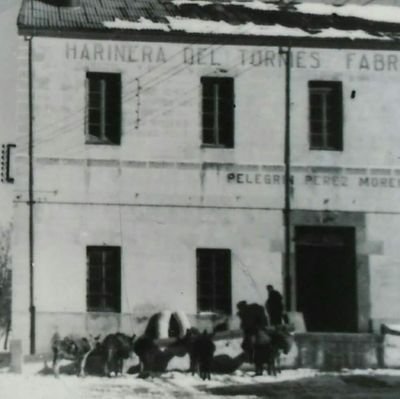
x=200, y=199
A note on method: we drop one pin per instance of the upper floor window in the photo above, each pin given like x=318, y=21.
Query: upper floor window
x=214, y=280
x=326, y=115
x=104, y=108
x=103, y=279
x=217, y=111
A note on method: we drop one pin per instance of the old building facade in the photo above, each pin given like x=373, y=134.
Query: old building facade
x=8, y=79
x=157, y=168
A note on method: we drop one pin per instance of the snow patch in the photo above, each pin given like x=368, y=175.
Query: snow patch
x=391, y=350
x=377, y=13
x=393, y=327
x=141, y=24
x=255, y=5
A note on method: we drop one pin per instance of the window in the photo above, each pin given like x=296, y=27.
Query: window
x=214, y=280
x=104, y=108
x=217, y=111
x=326, y=115
x=103, y=279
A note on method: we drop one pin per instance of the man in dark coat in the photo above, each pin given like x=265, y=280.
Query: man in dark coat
x=252, y=319
x=274, y=306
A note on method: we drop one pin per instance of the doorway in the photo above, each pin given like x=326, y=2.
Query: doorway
x=326, y=290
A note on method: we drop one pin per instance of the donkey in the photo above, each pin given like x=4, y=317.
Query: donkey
x=115, y=348
x=147, y=350
x=267, y=348
x=201, y=348
x=73, y=348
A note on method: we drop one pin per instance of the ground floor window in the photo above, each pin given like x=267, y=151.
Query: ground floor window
x=214, y=292
x=103, y=278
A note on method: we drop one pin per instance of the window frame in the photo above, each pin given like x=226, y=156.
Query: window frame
x=330, y=135
x=109, y=108
x=219, y=303
x=222, y=132
x=105, y=295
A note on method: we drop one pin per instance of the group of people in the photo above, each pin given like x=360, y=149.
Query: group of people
x=253, y=317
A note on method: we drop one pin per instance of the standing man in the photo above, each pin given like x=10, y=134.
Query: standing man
x=274, y=306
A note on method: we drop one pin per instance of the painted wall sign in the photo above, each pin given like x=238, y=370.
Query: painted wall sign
x=257, y=178
x=315, y=180
x=201, y=56
x=214, y=55
x=115, y=52
x=271, y=58
x=379, y=182
x=373, y=61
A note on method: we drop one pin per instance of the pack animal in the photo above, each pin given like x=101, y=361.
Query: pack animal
x=201, y=348
x=155, y=355
x=115, y=348
x=268, y=346
x=73, y=348
x=147, y=350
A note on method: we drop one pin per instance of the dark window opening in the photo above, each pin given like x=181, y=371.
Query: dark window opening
x=326, y=115
x=214, y=280
x=103, y=279
x=104, y=108
x=217, y=111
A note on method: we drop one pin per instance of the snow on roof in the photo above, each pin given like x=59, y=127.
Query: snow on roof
x=227, y=17
x=379, y=13
x=252, y=4
x=190, y=25
x=372, y=12
x=142, y=24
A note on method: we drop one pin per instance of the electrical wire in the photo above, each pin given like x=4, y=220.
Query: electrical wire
x=68, y=126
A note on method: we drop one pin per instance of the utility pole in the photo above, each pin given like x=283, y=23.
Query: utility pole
x=31, y=200
x=32, y=310
x=287, y=206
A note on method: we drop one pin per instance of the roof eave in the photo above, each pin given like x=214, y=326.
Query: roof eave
x=207, y=38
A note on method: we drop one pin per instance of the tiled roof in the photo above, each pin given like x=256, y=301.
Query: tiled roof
x=226, y=17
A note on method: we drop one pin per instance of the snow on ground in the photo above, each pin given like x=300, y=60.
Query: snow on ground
x=371, y=372
x=167, y=385
x=38, y=382
x=33, y=385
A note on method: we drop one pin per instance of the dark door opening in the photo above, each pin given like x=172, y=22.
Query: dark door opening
x=326, y=278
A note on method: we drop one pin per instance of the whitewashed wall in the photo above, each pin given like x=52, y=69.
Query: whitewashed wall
x=160, y=195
